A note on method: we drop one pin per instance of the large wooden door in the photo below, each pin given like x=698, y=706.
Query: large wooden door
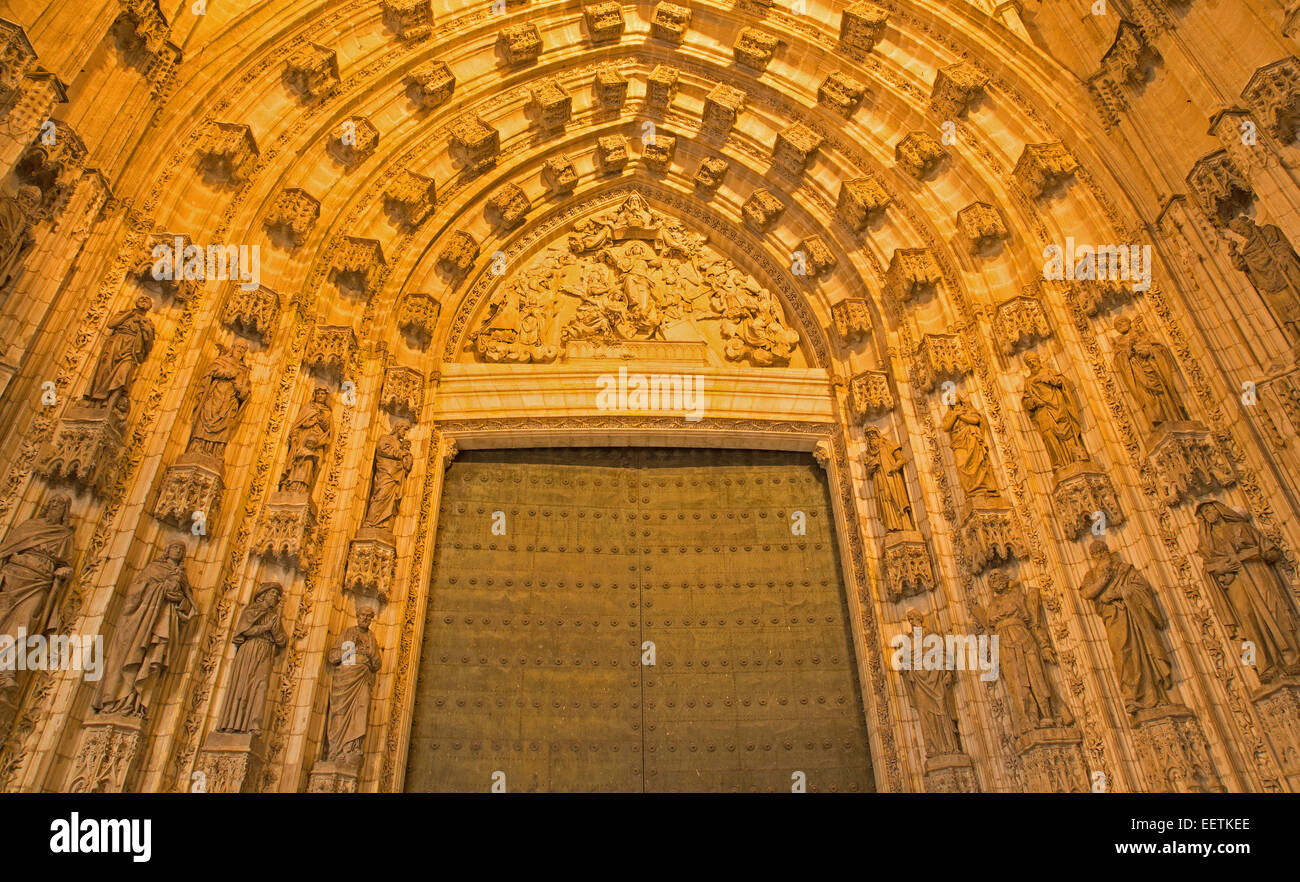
x=532, y=662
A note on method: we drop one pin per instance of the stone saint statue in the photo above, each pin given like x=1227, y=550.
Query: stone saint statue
x=884, y=463
x=258, y=637
x=147, y=636
x=931, y=694
x=308, y=440
x=970, y=452
x=223, y=392
x=35, y=561
x=392, y=464
x=1015, y=615
x=1127, y=605
x=1271, y=264
x=355, y=660
x=17, y=214
x=128, y=345
x=1146, y=368
x=1252, y=598
x=1049, y=400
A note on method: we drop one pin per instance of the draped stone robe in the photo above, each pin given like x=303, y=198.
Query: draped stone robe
x=350, y=687
x=259, y=634
x=1128, y=607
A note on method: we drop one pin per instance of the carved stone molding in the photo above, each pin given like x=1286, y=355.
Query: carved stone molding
x=431, y=83
x=982, y=226
x=1021, y=322
x=294, y=213
x=357, y=264
x=1173, y=750
x=862, y=25
x=414, y=196
x=670, y=22
x=312, y=72
x=255, y=312
x=908, y=571
x=913, y=274
x=762, y=209
x=474, y=143
x=403, y=391
x=989, y=538
x=604, y=21
x=755, y=48
x=1221, y=190
x=354, y=141
x=869, y=395
x=228, y=152
x=459, y=254
x=285, y=531
x=1082, y=492
x=661, y=86
x=722, y=108
x=1044, y=168
x=611, y=154
x=84, y=450
x=520, y=43
x=860, y=200
x=417, y=314
x=410, y=19
x=710, y=175
x=841, y=93
x=192, y=485
x=795, y=147
x=1274, y=94
x=330, y=349
x=852, y=319
x=956, y=87
x=553, y=105
x=1186, y=463
x=920, y=154
x=941, y=357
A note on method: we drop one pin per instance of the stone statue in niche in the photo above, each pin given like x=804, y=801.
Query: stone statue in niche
x=1271, y=264
x=631, y=281
x=1252, y=598
x=258, y=637
x=17, y=214
x=392, y=464
x=356, y=660
x=931, y=694
x=884, y=464
x=1134, y=621
x=1050, y=401
x=965, y=428
x=146, y=636
x=223, y=393
x=1015, y=614
x=1147, y=370
x=35, y=561
x=309, y=439
x=128, y=345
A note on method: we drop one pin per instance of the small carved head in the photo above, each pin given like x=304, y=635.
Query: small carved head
x=29, y=199
x=269, y=593
x=321, y=395
x=1098, y=549
x=999, y=581
x=365, y=615
x=1033, y=362
x=1123, y=325
x=143, y=304
x=176, y=552
x=1241, y=225
x=56, y=508
x=915, y=618
x=239, y=348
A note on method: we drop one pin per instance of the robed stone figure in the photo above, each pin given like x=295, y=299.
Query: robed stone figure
x=1271, y=264
x=147, y=637
x=392, y=464
x=1146, y=369
x=970, y=452
x=308, y=440
x=35, y=560
x=259, y=635
x=1015, y=615
x=1049, y=400
x=1252, y=598
x=931, y=694
x=355, y=660
x=884, y=464
x=17, y=213
x=129, y=342
x=223, y=392
x=1128, y=606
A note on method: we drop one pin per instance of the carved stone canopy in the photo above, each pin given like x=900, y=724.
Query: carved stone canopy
x=631, y=281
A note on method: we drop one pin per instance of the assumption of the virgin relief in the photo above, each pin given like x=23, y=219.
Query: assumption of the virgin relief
x=714, y=395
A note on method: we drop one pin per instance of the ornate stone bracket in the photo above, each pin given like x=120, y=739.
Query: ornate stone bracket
x=1044, y=169
x=920, y=154
x=860, y=200
x=755, y=48
x=294, y=213
x=1052, y=760
x=862, y=25
x=105, y=752
x=670, y=22
x=417, y=314
x=988, y=537
x=227, y=152
x=1082, y=492
x=941, y=357
x=908, y=571
x=795, y=148
x=1020, y=322
x=403, y=391
x=841, y=93
x=409, y=19
x=1279, y=711
x=177, y=286
x=431, y=84
x=956, y=87
x=413, y=195
x=981, y=226
x=252, y=312
x=661, y=86
x=1186, y=462
x=869, y=395
x=312, y=72
x=852, y=319
x=231, y=762
x=950, y=773
x=913, y=274
x=1221, y=190
x=330, y=349
x=192, y=485
x=372, y=563
x=1170, y=743
x=358, y=263
x=285, y=531
x=85, y=449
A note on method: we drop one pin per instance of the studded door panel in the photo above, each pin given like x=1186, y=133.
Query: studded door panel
x=531, y=663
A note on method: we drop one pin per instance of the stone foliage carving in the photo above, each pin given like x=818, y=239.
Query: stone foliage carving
x=956, y=87
x=869, y=395
x=841, y=93
x=920, y=154
x=418, y=314
x=941, y=357
x=913, y=274
x=167, y=251
x=670, y=22
x=147, y=635
x=258, y=636
x=1043, y=168
x=1221, y=190
x=294, y=213
x=981, y=225
x=312, y=72
x=852, y=319
x=1274, y=93
x=431, y=83
x=631, y=277
x=1020, y=322
x=358, y=264
x=403, y=391
x=253, y=312
x=228, y=152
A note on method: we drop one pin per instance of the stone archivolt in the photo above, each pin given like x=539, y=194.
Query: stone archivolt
x=782, y=153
